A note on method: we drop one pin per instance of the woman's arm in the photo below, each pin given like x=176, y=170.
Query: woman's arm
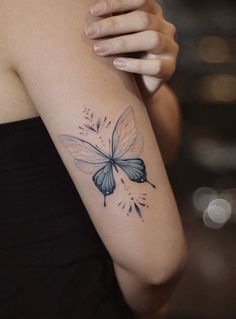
x=74, y=90
x=148, y=301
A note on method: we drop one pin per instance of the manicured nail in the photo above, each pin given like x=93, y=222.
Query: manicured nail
x=98, y=8
x=92, y=30
x=102, y=47
x=120, y=63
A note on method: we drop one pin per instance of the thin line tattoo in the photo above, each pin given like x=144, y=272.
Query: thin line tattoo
x=135, y=201
x=125, y=146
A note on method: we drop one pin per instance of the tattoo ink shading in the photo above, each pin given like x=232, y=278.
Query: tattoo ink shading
x=135, y=201
x=92, y=123
x=125, y=146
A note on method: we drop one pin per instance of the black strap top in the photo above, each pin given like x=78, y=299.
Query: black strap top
x=52, y=262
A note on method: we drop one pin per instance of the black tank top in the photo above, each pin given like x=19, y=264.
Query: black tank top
x=53, y=264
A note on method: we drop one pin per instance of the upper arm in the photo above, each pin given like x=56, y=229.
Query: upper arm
x=64, y=77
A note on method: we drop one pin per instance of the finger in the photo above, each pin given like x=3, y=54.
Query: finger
x=111, y=6
x=130, y=22
x=168, y=28
x=150, y=40
x=162, y=68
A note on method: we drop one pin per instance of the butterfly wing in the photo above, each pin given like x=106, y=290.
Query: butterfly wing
x=127, y=145
x=134, y=149
x=134, y=169
x=90, y=160
x=87, y=157
x=104, y=179
x=124, y=135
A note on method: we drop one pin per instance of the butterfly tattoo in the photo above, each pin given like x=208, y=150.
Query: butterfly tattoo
x=125, y=146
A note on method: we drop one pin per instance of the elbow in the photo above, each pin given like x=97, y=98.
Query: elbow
x=170, y=271
x=168, y=268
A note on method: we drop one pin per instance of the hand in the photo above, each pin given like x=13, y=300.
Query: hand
x=145, y=35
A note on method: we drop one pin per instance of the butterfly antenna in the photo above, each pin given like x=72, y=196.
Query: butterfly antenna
x=151, y=184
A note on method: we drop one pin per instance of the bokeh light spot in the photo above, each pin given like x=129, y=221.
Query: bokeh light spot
x=214, y=49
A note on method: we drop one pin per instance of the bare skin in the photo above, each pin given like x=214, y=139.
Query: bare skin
x=17, y=79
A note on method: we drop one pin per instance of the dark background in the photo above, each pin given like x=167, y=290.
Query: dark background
x=205, y=83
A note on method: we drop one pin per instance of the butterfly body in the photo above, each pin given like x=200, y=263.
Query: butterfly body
x=113, y=162
x=125, y=147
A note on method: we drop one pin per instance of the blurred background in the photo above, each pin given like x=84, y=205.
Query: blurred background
x=204, y=176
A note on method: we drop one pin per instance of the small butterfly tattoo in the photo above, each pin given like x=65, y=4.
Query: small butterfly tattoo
x=125, y=146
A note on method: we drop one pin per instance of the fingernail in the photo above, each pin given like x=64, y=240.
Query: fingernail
x=102, y=47
x=92, y=30
x=120, y=63
x=98, y=8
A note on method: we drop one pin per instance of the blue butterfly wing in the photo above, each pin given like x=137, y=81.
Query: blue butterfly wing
x=134, y=169
x=127, y=145
x=104, y=180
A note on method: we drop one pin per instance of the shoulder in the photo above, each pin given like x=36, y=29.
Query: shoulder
x=30, y=23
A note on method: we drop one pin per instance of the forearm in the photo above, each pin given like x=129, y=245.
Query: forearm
x=147, y=301
x=165, y=115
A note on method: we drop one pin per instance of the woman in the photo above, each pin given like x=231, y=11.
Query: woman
x=71, y=123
